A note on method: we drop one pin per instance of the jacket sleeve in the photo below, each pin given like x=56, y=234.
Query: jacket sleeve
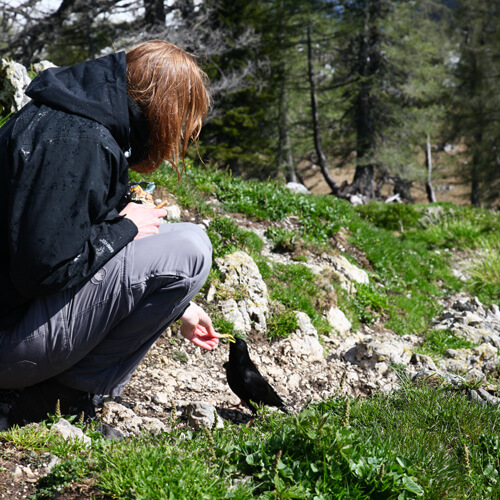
x=63, y=222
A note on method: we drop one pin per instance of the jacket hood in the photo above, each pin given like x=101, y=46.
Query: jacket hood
x=93, y=89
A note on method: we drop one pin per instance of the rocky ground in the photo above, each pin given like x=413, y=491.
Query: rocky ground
x=303, y=367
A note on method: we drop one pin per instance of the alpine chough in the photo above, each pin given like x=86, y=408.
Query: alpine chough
x=246, y=381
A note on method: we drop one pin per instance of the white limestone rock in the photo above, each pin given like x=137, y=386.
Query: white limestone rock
x=295, y=187
x=248, y=300
x=14, y=80
x=348, y=273
x=127, y=421
x=70, y=432
x=338, y=321
x=304, y=342
x=202, y=414
x=483, y=358
x=173, y=212
x=42, y=66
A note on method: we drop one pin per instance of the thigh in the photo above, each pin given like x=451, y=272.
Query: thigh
x=180, y=249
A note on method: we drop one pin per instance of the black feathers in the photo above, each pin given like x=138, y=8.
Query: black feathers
x=246, y=381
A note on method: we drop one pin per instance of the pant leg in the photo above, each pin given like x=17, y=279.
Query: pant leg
x=94, y=336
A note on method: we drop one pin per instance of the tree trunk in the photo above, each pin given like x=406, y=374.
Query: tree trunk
x=428, y=161
x=363, y=181
x=402, y=187
x=323, y=164
x=285, y=151
x=475, y=193
x=154, y=15
x=475, y=171
x=368, y=65
x=284, y=157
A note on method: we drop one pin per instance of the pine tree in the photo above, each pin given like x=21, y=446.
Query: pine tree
x=476, y=116
x=239, y=134
x=393, y=71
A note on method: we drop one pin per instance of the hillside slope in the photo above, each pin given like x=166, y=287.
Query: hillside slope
x=335, y=301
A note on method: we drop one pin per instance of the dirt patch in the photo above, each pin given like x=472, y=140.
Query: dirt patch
x=447, y=185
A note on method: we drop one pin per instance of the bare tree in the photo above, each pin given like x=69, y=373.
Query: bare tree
x=429, y=189
x=323, y=164
x=28, y=29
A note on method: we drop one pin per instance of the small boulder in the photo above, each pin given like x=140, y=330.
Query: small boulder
x=70, y=432
x=202, y=414
x=247, y=302
x=338, y=321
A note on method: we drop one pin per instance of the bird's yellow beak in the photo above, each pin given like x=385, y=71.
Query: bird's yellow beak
x=227, y=336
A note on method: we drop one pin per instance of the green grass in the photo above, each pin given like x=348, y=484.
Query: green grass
x=281, y=323
x=484, y=278
x=419, y=442
x=439, y=341
x=297, y=288
x=227, y=237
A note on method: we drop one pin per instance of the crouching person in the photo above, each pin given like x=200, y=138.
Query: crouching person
x=87, y=288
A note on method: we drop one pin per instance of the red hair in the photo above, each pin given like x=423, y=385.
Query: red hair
x=171, y=91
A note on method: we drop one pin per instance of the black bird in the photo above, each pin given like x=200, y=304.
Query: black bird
x=246, y=381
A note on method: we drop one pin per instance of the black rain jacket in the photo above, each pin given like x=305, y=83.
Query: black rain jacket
x=63, y=172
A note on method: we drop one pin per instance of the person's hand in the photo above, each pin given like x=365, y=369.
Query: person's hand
x=145, y=217
x=197, y=327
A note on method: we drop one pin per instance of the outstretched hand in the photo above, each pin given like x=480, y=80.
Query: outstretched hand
x=197, y=327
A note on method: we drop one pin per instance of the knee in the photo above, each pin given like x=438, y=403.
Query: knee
x=195, y=248
x=198, y=232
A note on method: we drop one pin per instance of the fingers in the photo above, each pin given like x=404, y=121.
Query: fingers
x=197, y=327
x=160, y=212
x=202, y=338
x=205, y=344
x=206, y=324
x=145, y=217
x=153, y=214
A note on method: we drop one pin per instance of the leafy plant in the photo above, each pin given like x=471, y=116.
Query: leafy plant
x=283, y=239
x=61, y=475
x=369, y=304
x=179, y=355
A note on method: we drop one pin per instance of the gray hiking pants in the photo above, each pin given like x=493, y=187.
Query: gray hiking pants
x=92, y=337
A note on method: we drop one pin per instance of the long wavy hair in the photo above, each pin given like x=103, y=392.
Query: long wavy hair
x=172, y=92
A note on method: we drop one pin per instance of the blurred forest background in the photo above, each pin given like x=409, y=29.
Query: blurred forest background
x=373, y=97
